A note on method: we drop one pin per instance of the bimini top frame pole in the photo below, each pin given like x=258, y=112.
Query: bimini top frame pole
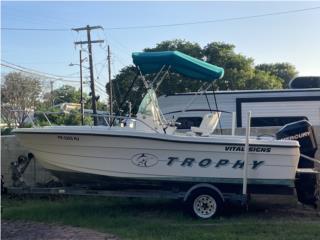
x=246, y=157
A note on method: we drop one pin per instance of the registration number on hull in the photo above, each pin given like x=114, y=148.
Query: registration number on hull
x=68, y=138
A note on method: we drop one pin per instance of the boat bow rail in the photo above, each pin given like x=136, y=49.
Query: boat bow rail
x=121, y=121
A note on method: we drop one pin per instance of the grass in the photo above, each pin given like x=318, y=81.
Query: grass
x=160, y=219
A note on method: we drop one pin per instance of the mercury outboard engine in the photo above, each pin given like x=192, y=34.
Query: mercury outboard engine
x=306, y=182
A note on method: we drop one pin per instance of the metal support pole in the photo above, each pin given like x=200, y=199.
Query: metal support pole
x=246, y=150
x=51, y=93
x=81, y=89
x=110, y=86
x=233, y=129
x=130, y=108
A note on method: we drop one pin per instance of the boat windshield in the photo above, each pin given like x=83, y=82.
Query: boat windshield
x=149, y=104
x=149, y=109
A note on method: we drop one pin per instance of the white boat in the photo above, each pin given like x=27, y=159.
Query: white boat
x=70, y=152
x=148, y=151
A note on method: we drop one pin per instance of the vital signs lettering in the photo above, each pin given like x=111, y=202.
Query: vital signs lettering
x=251, y=149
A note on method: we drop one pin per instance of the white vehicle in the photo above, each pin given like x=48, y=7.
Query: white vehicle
x=149, y=152
x=268, y=107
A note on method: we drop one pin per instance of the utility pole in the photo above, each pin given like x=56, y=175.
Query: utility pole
x=89, y=42
x=110, y=85
x=81, y=89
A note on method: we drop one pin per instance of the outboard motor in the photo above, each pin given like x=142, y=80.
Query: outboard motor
x=306, y=182
x=303, y=132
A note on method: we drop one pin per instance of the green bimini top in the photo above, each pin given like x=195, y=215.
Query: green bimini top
x=152, y=62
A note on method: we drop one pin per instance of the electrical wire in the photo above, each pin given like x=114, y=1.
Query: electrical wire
x=35, y=73
x=215, y=20
x=8, y=64
x=173, y=24
x=100, y=84
x=36, y=29
x=101, y=88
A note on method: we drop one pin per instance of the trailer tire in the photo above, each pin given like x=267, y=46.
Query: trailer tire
x=204, y=203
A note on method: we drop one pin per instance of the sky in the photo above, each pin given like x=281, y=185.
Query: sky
x=293, y=38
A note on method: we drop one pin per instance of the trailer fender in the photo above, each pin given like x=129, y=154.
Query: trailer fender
x=205, y=186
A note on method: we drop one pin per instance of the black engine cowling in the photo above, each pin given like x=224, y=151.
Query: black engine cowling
x=303, y=132
x=306, y=183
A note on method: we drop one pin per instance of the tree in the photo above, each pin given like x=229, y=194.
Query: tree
x=190, y=48
x=58, y=117
x=68, y=94
x=65, y=94
x=238, y=68
x=121, y=84
x=19, y=92
x=284, y=71
x=263, y=80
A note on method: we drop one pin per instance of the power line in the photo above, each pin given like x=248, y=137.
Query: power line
x=36, y=71
x=102, y=92
x=38, y=74
x=174, y=24
x=43, y=63
x=101, y=85
x=215, y=20
x=36, y=29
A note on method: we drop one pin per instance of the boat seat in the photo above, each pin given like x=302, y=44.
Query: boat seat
x=208, y=124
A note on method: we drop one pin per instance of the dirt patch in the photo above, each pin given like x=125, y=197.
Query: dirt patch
x=282, y=207
x=23, y=230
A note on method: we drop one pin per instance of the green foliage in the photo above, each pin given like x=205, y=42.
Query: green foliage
x=6, y=131
x=263, y=80
x=121, y=84
x=101, y=106
x=69, y=94
x=284, y=71
x=190, y=48
x=57, y=117
x=18, y=92
x=66, y=94
x=238, y=68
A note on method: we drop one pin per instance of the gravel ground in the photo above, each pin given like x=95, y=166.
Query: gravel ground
x=23, y=230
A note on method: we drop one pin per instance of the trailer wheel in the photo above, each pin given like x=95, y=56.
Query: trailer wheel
x=204, y=203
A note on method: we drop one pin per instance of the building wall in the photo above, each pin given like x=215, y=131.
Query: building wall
x=227, y=101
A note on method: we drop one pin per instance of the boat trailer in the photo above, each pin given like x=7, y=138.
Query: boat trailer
x=54, y=188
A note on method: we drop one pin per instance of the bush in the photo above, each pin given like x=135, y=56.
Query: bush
x=6, y=131
x=61, y=118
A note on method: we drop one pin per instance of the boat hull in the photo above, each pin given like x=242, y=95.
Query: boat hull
x=102, y=156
